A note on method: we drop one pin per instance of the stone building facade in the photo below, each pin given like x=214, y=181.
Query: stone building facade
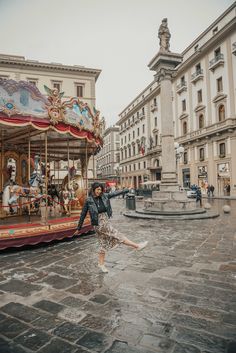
x=108, y=158
x=204, y=106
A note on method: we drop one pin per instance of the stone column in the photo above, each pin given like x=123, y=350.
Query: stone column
x=164, y=64
x=169, y=176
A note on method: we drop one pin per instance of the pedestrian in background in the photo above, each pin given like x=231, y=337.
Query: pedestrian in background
x=199, y=196
x=99, y=207
x=208, y=190
x=212, y=188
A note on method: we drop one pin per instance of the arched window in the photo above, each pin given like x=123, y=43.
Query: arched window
x=185, y=128
x=221, y=112
x=157, y=163
x=201, y=121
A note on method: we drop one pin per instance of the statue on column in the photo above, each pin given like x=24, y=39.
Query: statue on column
x=164, y=36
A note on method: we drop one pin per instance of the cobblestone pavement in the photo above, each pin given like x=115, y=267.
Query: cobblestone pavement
x=175, y=296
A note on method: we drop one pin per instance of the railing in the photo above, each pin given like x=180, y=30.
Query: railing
x=218, y=58
x=197, y=74
x=209, y=130
x=234, y=48
x=182, y=86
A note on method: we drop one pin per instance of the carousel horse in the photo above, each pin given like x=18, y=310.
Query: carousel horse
x=12, y=192
x=73, y=193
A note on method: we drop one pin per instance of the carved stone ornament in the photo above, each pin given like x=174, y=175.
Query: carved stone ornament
x=55, y=108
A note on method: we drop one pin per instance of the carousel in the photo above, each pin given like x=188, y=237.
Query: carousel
x=37, y=134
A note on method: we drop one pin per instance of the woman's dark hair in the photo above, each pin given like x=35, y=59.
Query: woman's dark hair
x=95, y=186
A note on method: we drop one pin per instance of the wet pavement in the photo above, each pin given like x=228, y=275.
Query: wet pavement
x=178, y=295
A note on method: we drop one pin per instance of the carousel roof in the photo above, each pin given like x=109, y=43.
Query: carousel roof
x=26, y=114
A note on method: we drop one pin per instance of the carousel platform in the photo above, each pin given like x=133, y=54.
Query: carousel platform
x=17, y=231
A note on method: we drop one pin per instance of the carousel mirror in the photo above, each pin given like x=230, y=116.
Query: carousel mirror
x=11, y=169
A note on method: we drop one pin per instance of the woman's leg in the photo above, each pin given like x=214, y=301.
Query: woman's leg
x=137, y=246
x=130, y=243
x=101, y=257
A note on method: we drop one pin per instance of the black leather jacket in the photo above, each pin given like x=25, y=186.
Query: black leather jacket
x=90, y=206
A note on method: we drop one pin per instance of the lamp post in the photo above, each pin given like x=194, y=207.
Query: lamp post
x=179, y=151
x=118, y=171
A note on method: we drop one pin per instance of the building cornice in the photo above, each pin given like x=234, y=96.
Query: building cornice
x=215, y=23
x=19, y=61
x=205, y=48
x=140, y=104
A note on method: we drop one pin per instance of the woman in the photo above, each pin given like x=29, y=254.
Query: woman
x=99, y=207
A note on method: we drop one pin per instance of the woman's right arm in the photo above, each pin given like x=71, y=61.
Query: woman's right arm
x=83, y=215
x=117, y=193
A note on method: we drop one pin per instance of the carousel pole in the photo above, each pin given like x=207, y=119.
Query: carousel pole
x=46, y=176
x=29, y=152
x=86, y=165
x=93, y=165
x=29, y=157
x=58, y=172
x=68, y=163
x=2, y=160
x=40, y=152
x=2, y=166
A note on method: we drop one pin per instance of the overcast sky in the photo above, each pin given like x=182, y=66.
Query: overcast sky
x=120, y=37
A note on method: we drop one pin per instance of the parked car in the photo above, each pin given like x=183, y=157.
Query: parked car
x=192, y=194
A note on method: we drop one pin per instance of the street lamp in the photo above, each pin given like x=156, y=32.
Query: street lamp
x=118, y=170
x=179, y=151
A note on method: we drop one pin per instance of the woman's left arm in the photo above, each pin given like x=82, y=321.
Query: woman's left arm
x=117, y=193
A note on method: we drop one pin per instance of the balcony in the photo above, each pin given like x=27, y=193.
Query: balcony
x=211, y=130
x=234, y=48
x=155, y=150
x=198, y=75
x=182, y=86
x=216, y=62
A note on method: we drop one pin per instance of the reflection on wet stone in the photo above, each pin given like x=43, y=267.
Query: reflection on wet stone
x=101, y=299
x=11, y=328
x=21, y=312
x=96, y=323
x=71, y=301
x=59, y=282
x=10, y=347
x=33, y=339
x=160, y=344
x=95, y=341
x=47, y=322
x=72, y=314
x=70, y=331
x=124, y=347
x=49, y=306
x=178, y=296
x=19, y=287
x=57, y=345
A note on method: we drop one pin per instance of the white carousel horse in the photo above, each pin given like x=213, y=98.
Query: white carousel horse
x=13, y=191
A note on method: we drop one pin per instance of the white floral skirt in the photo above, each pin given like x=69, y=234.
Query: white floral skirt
x=108, y=236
